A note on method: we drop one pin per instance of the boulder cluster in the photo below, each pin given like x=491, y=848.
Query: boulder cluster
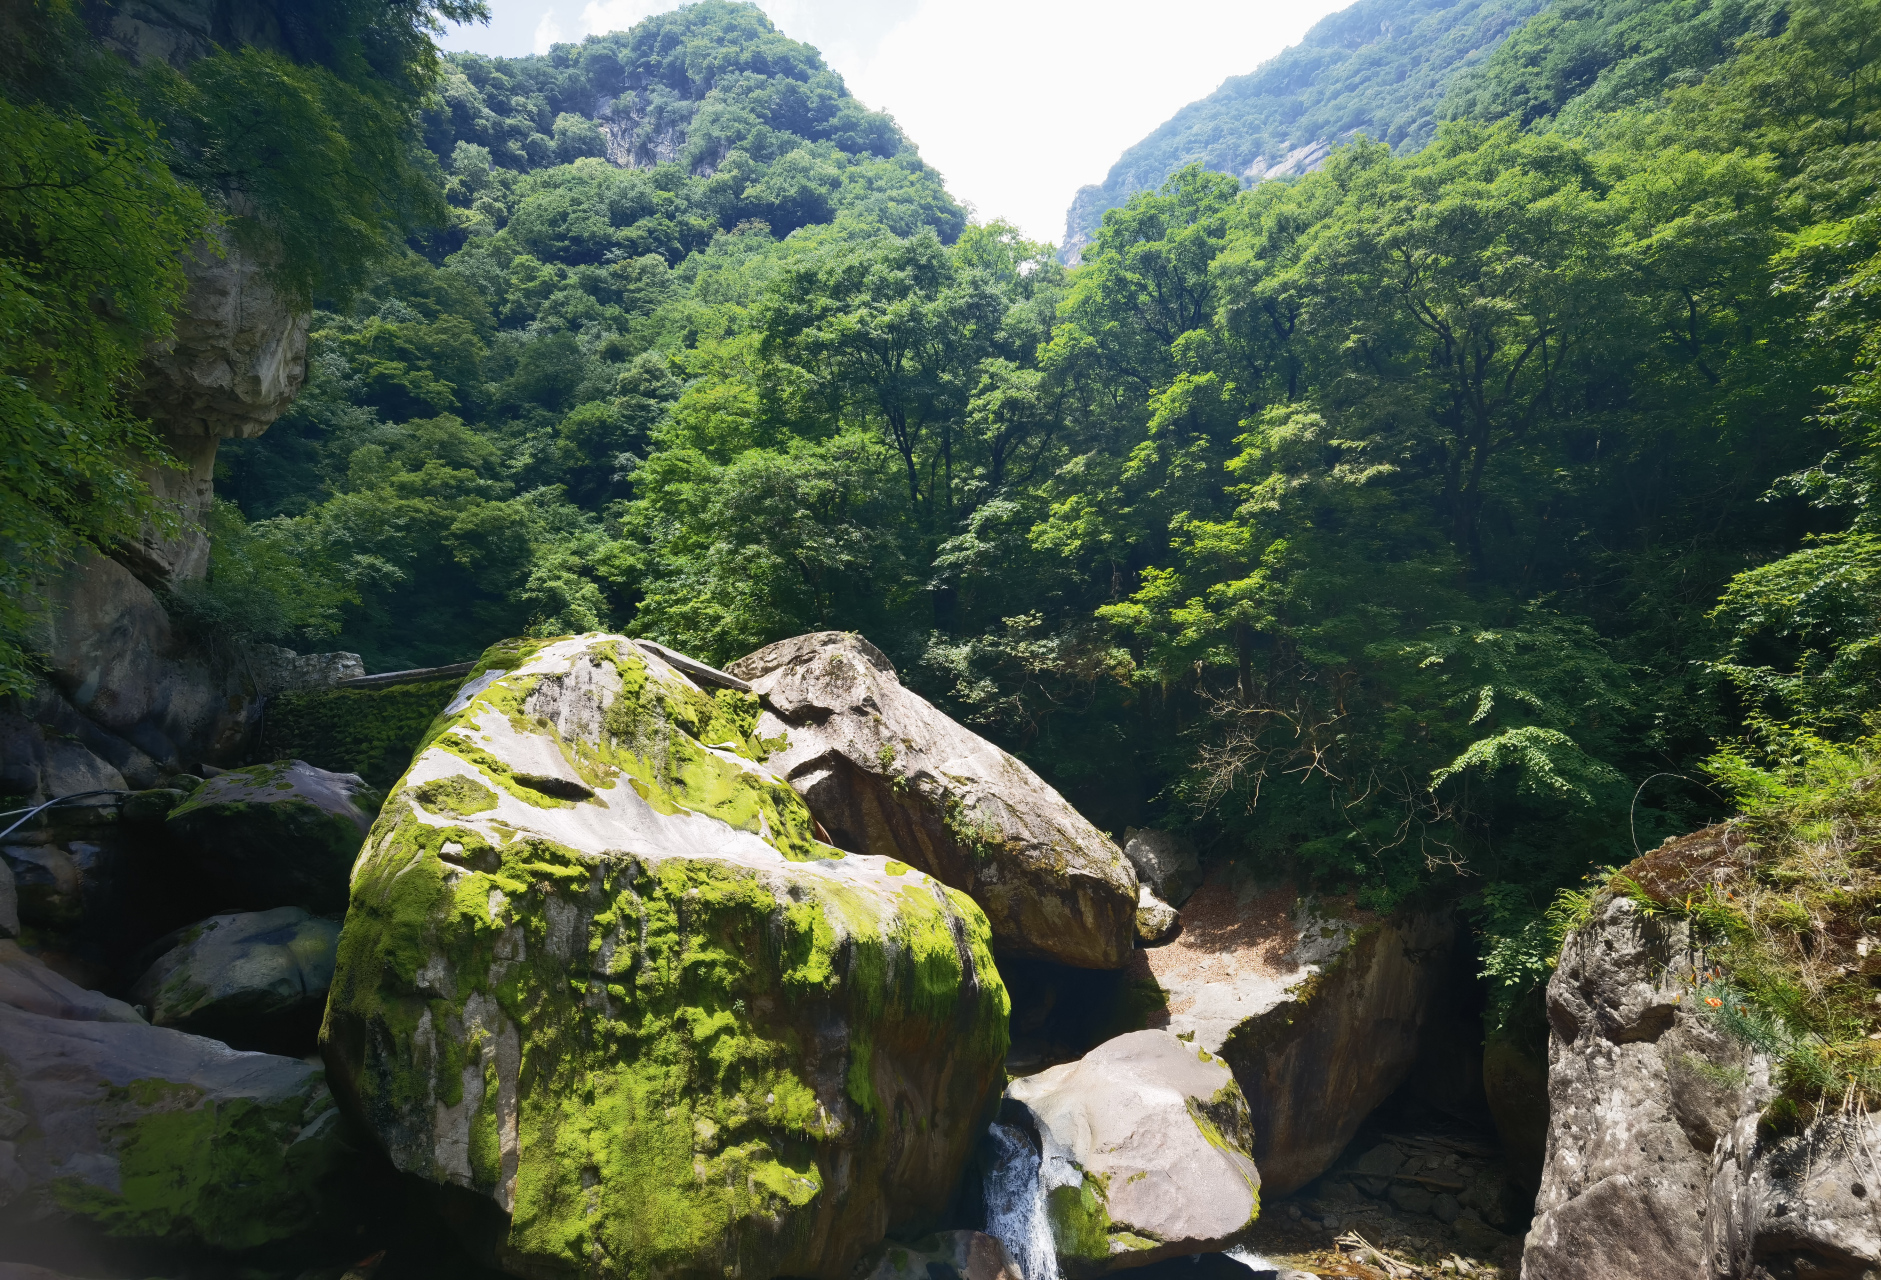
x=647, y=968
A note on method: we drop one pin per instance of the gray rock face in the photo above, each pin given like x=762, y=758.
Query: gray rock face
x=1631, y=1138
x=257, y=980
x=234, y=363
x=112, y=1127
x=1316, y=1008
x=945, y=1255
x=1156, y=920
x=277, y=835
x=28, y=985
x=1145, y=1150
x=1656, y=1165
x=129, y=698
x=1164, y=861
x=888, y=774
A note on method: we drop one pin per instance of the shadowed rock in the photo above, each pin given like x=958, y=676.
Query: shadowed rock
x=256, y=980
x=276, y=835
x=141, y=1133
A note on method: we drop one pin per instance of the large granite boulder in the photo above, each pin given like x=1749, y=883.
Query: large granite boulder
x=1145, y=1153
x=599, y=974
x=888, y=774
x=276, y=835
x=1315, y=1005
x=256, y=980
x=113, y=1128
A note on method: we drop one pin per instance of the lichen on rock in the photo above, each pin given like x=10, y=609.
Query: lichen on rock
x=598, y=970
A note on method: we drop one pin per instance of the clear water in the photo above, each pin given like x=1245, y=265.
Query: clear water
x=1015, y=1204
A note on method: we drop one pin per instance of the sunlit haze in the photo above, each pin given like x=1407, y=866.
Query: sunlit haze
x=1017, y=102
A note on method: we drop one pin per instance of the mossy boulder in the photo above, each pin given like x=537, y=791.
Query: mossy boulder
x=886, y=772
x=598, y=971
x=118, y=1129
x=275, y=835
x=254, y=980
x=1146, y=1153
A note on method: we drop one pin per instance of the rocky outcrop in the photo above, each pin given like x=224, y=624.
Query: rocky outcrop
x=1658, y=1163
x=253, y=981
x=232, y=365
x=1637, y=1103
x=110, y=1127
x=276, y=835
x=887, y=774
x=129, y=697
x=1145, y=1153
x=1316, y=1007
x=599, y=973
x=1166, y=863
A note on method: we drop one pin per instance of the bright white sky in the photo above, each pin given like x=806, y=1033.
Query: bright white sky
x=1018, y=102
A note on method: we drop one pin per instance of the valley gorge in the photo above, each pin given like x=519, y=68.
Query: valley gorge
x=605, y=682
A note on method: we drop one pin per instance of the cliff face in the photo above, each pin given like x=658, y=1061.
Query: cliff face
x=236, y=361
x=1658, y=1163
x=128, y=697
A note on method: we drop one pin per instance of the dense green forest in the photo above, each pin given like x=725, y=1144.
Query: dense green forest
x=1394, y=71
x=1424, y=523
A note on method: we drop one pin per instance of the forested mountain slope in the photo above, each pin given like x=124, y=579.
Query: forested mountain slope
x=1393, y=71
x=1395, y=524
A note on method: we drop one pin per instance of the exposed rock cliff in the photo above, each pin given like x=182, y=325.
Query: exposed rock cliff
x=1658, y=1163
x=1316, y=1008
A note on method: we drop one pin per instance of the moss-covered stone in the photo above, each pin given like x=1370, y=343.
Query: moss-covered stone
x=276, y=835
x=372, y=732
x=630, y=999
x=147, y=1134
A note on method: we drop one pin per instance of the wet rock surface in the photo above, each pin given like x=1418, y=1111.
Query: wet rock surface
x=1145, y=1148
x=888, y=774
x=599, y=978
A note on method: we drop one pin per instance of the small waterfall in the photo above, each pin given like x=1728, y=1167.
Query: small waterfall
x=1015, y=1204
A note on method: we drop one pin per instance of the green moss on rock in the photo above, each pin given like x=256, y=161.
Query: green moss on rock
x=657, y=1058
x=371, y=732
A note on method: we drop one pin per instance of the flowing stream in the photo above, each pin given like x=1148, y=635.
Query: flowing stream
x=1015, y=1204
